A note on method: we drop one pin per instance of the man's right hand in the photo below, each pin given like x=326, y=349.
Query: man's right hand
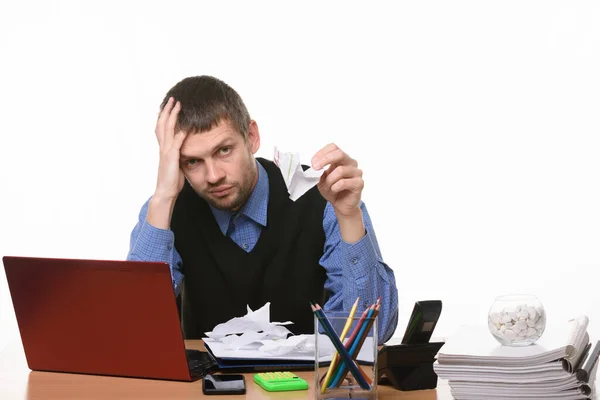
x=170, y=176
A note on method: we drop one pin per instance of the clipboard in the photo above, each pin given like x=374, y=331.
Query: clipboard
x=231, y=364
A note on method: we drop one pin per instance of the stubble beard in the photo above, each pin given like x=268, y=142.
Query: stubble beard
x=240, y=193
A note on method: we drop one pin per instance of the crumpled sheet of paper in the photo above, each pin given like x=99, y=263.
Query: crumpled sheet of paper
x=250, y=328
x=296, y=179
x=253, y=335
x=297, y=345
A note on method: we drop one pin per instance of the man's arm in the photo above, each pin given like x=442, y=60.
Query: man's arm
x=148, y=243
x=152, y=239
x=352, y=258
x=357, y=270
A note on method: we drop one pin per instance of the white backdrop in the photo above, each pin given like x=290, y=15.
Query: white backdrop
x=476, y=123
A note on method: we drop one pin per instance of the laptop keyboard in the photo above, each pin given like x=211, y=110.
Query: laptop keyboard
x=200, y=363
x=196, y=365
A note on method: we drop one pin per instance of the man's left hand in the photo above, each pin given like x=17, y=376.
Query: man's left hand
x=342, y=183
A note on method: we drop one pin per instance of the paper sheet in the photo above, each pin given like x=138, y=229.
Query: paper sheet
x=296, y=179
x=301, y=347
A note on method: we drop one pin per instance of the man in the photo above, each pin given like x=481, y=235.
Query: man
x=223, y=220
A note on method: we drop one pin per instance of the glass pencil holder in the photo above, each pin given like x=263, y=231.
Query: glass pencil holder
x=333, y=377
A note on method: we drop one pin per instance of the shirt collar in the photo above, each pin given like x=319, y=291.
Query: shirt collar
x=255, y=207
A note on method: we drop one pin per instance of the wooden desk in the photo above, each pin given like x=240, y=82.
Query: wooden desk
x=17, y=382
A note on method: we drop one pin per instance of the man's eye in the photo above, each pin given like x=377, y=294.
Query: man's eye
x=224, y=150
x=191, y=162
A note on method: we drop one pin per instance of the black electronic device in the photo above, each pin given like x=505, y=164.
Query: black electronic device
x=409, y=366
x=223, y=384
x=422, y=322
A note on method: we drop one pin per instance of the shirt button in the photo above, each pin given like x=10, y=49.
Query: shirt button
x=246, y=246
x=170, y=246
x=354, y=260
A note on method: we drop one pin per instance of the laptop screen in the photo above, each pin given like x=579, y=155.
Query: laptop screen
x=97, y=317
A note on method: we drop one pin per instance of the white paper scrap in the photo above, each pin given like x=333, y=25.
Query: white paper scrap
x=296, y=179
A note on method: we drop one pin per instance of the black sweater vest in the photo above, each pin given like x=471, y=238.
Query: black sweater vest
x=221, y=279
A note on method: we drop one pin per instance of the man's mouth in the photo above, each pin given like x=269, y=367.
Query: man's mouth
x=220, y=191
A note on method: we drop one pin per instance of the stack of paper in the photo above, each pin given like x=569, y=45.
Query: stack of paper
x=561, y=365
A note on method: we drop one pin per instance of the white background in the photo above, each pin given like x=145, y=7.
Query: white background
x=476, y=123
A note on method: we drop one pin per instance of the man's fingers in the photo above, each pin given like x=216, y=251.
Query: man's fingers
x=178, y=139
x=336, y=173
x=172, y=121
x=162, y=118
x=337, y=157
x=355, y=184
x=316, y=164
x=166, y=111
x=331, y=154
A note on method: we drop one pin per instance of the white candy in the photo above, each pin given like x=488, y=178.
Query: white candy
x=518, y=323
x=509, y=335
x=519, y=326
x=533, y=314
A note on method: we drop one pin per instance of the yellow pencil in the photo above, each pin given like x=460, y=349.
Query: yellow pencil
x=342, y=337
x=349, y=320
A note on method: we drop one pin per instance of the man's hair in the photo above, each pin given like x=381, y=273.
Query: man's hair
x=205, y=102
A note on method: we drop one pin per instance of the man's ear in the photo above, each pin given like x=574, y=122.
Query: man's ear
x=253, y=137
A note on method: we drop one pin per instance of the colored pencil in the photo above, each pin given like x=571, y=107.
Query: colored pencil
x=352, y=345
x=357, y=345
x=341, y=368
x=346, y=359
x=348, y=345
x=335, y=356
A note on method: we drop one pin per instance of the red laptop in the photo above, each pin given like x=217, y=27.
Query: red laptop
x=101, y=317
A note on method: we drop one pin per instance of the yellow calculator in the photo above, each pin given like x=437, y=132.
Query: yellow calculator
x=280, y=381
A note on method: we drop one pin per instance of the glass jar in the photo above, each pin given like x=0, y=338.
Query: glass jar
x=517, y=320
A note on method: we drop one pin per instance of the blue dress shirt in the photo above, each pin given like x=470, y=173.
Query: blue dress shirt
x=353, y=270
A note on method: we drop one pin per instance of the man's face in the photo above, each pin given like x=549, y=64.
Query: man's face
x=220, y=166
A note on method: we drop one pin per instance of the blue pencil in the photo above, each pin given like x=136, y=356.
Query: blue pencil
x=339, y=346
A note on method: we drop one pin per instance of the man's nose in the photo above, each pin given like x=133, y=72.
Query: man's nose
x=214, y=173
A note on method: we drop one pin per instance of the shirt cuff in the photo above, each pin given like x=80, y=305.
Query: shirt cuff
x=154, y=244
x=360, y=257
